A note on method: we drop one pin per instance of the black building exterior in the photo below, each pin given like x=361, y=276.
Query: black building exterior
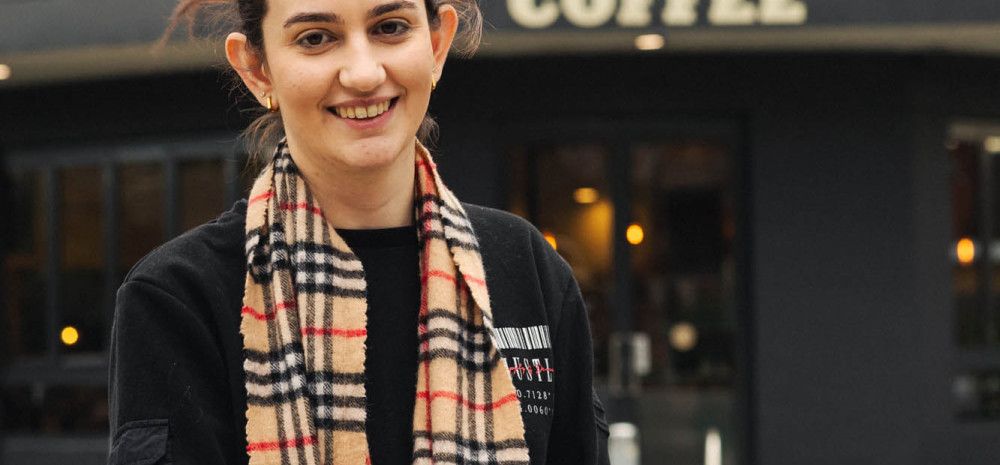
x=782, y=213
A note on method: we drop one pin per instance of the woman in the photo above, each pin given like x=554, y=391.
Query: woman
x=351, y=310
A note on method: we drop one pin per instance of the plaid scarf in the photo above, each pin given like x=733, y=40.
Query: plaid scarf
x=304, y=333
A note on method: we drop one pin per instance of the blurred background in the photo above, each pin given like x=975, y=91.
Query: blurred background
x=784, y=214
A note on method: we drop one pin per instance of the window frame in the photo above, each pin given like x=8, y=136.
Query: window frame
x=53, y=367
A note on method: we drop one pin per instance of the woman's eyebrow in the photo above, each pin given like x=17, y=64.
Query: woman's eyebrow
x=390, y=7
x=313, y=18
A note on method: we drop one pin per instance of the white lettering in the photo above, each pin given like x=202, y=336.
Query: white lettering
x=782, y=12
x=732, y=13
x=538, y=14
x=635, y=13
x=584, y=13
x=533, y=15
x=680, y=13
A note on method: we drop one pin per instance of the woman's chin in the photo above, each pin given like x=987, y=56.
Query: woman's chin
x=373, y=154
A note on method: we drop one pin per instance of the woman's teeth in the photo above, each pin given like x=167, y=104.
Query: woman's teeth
x=370, y=111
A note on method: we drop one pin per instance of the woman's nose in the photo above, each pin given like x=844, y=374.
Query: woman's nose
x=363, y=71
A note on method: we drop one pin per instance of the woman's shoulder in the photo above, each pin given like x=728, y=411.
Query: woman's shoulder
x=499, y=227
x=207, y=257
x=504, y=231
x=510, y=245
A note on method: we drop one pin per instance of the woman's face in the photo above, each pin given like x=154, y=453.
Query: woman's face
x=352, y=78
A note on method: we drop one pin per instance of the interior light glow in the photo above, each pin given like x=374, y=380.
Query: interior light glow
x=623, y=443
x=586, y=195
x=551, y=239
x=69, y=335
x=634, y=234
x=992, y=144
x=713, y=447
x=4, y=72
x=683, y=336
x=649, y=42
x=966, y=251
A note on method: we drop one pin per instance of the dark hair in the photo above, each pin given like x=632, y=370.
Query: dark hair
x=246, y=16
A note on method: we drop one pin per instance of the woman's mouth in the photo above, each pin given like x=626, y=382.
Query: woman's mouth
x=363, y=112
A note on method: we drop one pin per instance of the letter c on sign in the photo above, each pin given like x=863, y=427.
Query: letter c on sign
x=532, y=15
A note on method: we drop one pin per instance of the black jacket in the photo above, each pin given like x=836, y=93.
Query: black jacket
x=177, y=391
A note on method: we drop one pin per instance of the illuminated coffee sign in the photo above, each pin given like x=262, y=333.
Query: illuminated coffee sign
x=541, y=14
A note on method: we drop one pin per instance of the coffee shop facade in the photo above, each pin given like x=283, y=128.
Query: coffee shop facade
x=782, y=213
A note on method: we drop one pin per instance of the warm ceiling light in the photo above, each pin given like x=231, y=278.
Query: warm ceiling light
x=585, y=195
x=4, y=72
x=966, y=251
x=69, y=335
x=992, y=144
x=634, y=234
x=551, y=239
x=683, y=336
x=649, y=42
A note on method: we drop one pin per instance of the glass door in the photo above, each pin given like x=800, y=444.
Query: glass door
x=649, y=224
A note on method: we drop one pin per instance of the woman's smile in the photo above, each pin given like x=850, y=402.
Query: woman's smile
x=363, y=109
x=364, y=115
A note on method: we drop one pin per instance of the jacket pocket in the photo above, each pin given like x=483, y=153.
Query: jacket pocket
x=142, y=442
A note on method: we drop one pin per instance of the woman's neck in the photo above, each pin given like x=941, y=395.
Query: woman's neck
x=363, y=198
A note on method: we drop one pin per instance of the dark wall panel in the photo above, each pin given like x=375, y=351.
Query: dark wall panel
x=836, y=364
x=96, y=111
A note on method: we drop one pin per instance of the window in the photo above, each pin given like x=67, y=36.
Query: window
x=82, y=218
x=974, y=151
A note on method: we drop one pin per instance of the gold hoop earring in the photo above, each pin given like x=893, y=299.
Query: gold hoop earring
x=434, y=83
x=270, y=105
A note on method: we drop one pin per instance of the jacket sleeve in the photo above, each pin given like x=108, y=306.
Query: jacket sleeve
x=168, y=391
x=579, y=430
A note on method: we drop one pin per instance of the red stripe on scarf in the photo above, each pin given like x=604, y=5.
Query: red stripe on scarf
x=267, y=316
x=456, y=397
x=314, y=331
x=442, y=274
x=423, y=163
x=302, y=206
x=429, y=180
x=259, y=197
x=273, y=445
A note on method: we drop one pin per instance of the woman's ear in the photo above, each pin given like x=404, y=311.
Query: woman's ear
x=442, y=37
x=249, y=65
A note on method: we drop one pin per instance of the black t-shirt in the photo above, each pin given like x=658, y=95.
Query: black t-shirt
x=390, y=260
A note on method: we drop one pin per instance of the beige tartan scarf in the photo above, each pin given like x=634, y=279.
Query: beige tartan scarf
x=304, y=334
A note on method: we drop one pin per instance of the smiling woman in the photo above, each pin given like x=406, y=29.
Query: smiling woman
x=351, y=310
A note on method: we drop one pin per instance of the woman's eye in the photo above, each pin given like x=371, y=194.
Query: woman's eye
x=314, y=39
x=391, y=28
